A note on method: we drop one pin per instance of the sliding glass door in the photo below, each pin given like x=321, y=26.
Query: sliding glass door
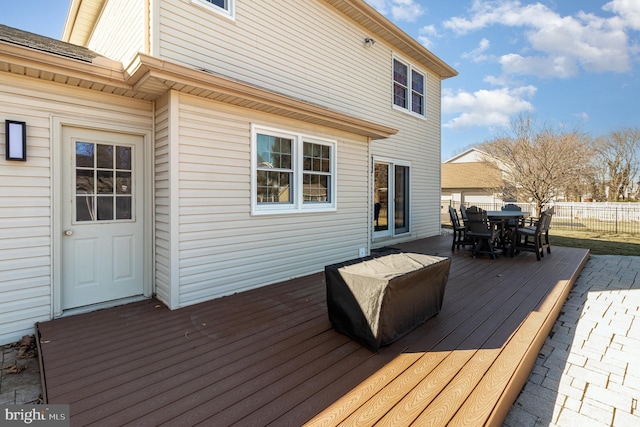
x=391, y=189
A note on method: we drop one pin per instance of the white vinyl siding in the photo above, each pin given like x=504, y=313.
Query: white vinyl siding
x=306, y=50
x=223, y=249
x=162, y=211
x=321, y=58
x=120, y=32
x=26, y=192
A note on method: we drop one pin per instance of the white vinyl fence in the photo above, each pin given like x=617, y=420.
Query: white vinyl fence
x=613, y=218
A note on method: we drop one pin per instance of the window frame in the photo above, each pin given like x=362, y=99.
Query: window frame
x=229, y=11
x=411, y=69
x=298, y=204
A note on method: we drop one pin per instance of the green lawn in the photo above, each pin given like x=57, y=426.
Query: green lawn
x=598, y=243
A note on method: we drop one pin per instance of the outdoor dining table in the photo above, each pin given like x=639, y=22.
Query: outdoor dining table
x=503, y=218
x=506, y=215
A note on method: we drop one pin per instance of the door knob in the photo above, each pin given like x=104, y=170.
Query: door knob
x=68, y=232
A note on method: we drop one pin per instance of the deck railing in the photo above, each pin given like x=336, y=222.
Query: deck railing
x=610, y=218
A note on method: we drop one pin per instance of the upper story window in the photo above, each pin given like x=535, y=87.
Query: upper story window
x=223, y=7
x=409, y=88
x=291, y=172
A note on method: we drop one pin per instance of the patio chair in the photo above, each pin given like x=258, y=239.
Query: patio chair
x=529, y=238
x=545, y=229
x=481, y=231
x=459, y=230
x=532, y=222
x=512, y=207
x=463, y=212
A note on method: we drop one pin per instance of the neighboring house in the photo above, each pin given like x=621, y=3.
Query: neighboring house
x=191, y=149
x=469, y=179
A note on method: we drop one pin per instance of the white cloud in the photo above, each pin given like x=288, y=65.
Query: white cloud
x=505, y=12
x=558, y=66
x=582, y=117
x=427, y=34
x=563, y=45
x=399, y=10
x=477, y=55
x=485, y=107
x=628, y=10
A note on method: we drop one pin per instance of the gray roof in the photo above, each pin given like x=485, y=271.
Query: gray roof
x=45, y=44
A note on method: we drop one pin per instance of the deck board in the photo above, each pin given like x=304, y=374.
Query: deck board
x=270, y=357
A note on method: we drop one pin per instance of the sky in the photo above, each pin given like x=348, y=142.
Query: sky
x=569, y=64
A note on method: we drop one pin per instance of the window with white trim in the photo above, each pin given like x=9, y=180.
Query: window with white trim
x=409, y=88
x=223, y=7
x=291, y=172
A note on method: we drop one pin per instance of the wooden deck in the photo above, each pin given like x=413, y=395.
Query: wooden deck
x=270, y=356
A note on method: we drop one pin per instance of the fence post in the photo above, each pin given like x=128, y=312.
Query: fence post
x=571, y=218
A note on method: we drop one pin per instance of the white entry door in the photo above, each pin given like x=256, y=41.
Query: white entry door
x=102, y=217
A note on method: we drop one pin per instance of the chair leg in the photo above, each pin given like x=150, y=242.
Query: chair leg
x=546, y=242
x=539, y=247
x=492, y=250
x=476, y=246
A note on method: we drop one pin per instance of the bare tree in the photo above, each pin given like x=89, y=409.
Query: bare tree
x=617, y=159
x=541, y=163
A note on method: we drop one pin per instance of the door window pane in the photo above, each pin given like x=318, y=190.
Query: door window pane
x=123, y=182
x=84, y=181
x=84, y=155
x=105, y=182
x=97, y=182
x=105, y=156
x=123, y=207
x=381, y=197
x=401, y=190
x=123, y=158
x=391, y=199
x=105, y=208
x=84, y=208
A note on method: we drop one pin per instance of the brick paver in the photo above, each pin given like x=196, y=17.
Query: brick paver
x=19, y=377
x=587, y=373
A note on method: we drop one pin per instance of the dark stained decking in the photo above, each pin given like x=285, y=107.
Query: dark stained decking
x=270, y=356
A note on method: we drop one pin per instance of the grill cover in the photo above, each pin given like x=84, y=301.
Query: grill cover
x=376, y=300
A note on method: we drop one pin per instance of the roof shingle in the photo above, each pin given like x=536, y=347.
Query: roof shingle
x=45, y=44
x=470, y=175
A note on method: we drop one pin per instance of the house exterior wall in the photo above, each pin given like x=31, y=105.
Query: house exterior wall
x=162, y=210
x=306, y=50
x=418, y=141
x=469, y=197
x=120, y=31
x=207, y=242
x=470, y=156
x=27, y=215
x=221, y=247
x=321, y=58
